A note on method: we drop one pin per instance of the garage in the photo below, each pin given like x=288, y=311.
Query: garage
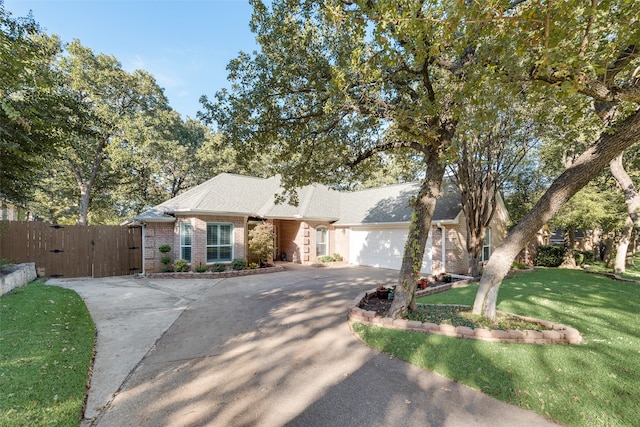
x=383, y=248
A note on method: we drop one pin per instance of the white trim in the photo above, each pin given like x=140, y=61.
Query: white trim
x=443, y=245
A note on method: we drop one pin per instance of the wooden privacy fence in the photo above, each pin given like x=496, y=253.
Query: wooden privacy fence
x=73, y=250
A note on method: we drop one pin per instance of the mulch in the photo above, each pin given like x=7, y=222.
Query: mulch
x=381, y=306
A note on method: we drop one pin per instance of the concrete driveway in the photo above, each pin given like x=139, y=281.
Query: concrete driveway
x=264, y=350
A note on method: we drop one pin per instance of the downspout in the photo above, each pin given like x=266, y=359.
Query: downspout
x=443, y=244
x=144, y=229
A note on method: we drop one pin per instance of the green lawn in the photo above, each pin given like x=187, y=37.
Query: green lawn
x=46, y=348
x=596, y=383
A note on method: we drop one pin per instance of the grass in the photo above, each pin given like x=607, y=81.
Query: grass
x=46, y=348
x=594, y=384
x=457, y=315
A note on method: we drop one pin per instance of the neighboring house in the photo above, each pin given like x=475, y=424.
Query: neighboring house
x=209, y=224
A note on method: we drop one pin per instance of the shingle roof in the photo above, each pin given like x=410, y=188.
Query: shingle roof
x=230, y=194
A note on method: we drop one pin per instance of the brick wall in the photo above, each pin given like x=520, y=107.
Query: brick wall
x=157, y=234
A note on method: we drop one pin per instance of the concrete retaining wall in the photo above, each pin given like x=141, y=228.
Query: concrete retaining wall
x=16, y=276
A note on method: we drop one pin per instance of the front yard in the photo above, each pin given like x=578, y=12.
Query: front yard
x=596, y=383
x=46, y=349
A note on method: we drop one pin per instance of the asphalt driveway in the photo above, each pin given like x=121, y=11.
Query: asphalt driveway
x=264, y=350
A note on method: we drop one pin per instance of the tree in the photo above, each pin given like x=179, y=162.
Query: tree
x=33, y=111
x=591, y=51
x=343, y=80
x=489, y=149
x=115, y=100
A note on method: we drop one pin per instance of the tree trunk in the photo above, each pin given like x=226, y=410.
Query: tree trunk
x=619, y=266
x=569, y=259
x=607, y=258
x=632, y=200
x=424, y=206
x=85, y=197
x=586, y=167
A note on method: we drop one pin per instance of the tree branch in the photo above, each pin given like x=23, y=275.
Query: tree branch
x=386, y=147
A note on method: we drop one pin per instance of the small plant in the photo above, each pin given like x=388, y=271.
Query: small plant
x=325, y=259
x=201, y=269
x=337, y=257
x=5, y=262
x=181, y=265
x=239, y=264
x=253, y=266
x=218, y=267
x=165, y=260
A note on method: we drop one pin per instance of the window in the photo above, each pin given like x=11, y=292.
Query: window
x=486, y=245
x=322, y=241
x=219, y=242
x=185, y=241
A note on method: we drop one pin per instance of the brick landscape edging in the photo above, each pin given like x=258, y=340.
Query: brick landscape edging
x=213, y=275
x=556, y=333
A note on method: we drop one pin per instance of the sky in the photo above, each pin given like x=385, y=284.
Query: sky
x=185, y=44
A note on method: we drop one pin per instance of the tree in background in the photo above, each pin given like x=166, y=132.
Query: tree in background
x=115, y=101
x=33, y=109
x=488, y=150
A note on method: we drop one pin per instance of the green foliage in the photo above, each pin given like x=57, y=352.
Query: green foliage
x=165, y=260
x=166, y=269
x=201, y=269
x=218, y=267
x=181, y=265
x=46, y=351
x=549, y=255
x=239, y=264
x=5, y=262
x=330, y=258
x=261, y=241
x=253, y=266
x=164, y=248
x=34, y=111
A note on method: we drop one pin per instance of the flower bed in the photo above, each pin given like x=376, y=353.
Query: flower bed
x=552, y=333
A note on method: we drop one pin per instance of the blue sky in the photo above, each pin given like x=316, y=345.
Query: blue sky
x=185, y=44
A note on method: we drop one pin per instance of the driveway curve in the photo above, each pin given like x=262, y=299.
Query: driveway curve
x=264, y=350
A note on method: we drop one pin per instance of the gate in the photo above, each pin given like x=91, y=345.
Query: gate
x=73, y=251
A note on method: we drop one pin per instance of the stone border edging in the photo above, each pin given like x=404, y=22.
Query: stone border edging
x=214, y=275
x=556, y=334
x=16, y=276
x=613, y=276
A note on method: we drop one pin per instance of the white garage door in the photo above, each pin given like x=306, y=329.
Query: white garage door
x=383, y=248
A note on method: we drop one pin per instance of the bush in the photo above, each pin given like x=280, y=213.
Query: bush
x=549, y=255
x=518, y=266
x=218, y=267
x=239, y=264
x=587, y=257
x=261, y=241
x=325, y=258
x=166, y=269
x=165, y=260
x=164, y=248
x=181, y=265
x=201, y=269
x=253, y=266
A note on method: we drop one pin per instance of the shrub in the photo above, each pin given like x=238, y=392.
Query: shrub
x=166, y=269
x=337, y=257
x=239, y=264
x=587, y=256
x=181, y=265
x=518, y=266
x=201, y=269
x=549, y=255
x=261, y=241
x=253, y=266
x=218, y=267
x=164, y=248
x=165, y=260
x=326, y=258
